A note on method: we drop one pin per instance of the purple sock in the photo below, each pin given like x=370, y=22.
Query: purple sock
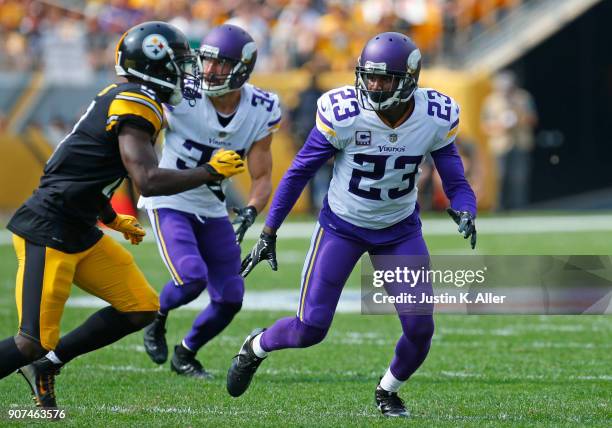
x=290, y=332
x=413, y=346
x=210, y=322
x=173, y=296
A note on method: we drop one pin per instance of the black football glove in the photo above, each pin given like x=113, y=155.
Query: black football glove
x=245, y=217
x=264, y=249
x=466, y=222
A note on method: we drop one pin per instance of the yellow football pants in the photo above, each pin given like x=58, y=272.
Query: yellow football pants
x=44, y=277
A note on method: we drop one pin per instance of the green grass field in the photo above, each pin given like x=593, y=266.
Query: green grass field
x=482, y=370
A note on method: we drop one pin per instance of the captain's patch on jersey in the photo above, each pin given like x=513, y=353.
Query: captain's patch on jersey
x=155, y=46
x=363, y=138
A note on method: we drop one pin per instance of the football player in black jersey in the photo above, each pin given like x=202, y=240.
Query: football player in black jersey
x=55, y=235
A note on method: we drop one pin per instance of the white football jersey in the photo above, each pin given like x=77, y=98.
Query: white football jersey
x=194, y=134
x=377, y=167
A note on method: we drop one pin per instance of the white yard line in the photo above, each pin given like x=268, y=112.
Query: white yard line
x=278, y=300
x=431, y=227
x=348, y=373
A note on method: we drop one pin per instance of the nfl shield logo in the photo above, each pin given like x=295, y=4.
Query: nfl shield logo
x=363, y=138
x=392, y=138
x=222, y=134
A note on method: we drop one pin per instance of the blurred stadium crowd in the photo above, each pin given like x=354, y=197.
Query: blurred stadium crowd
x=314, y=35
x=289, y=33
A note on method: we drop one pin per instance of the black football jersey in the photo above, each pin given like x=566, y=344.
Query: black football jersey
x=85, y=169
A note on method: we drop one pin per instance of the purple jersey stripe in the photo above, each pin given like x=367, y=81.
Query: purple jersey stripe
x=163, y=249
x=308, y=272
x=275, y=121
x=455, y=123
x=325, y=121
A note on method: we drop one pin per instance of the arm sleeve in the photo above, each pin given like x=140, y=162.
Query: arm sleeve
x=448, y=132
x=315, y=152
x=107, y=213
x=272, y=122
x=457, y=189
x=137, y=109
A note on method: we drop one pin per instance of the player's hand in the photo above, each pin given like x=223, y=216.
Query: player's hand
x=264, y=249
x=467, y=224
x=245, y=217
x=225, y=163
x=129, y=226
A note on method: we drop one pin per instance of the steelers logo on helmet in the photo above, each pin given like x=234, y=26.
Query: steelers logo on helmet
x=155, y=46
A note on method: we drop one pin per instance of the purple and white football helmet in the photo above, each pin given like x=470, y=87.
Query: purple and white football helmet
x=398, y=60
x=234, y=52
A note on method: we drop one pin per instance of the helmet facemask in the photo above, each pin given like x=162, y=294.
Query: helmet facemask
x=217, y=75
x=189, y=70
x=395, y=88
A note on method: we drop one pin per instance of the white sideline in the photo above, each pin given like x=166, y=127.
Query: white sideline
x=439, y=226
x=280, y=300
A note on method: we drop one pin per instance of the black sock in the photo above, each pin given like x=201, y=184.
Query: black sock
x=10, y=357
x=102, y=328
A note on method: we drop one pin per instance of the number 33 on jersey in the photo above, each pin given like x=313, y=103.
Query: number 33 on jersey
x=377, y=167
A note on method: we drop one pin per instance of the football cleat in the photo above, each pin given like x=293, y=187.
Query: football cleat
x=155, y=340
x=40, y=375
x=184, y=363
x=390, y=404
x=244, y=365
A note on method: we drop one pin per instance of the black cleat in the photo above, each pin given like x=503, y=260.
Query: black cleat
x=244, y=365
x=184, y=363
x=155, y=339
x=390, y=404
x=40, y=375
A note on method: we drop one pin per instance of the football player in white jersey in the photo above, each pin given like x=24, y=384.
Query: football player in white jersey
x=193, y=232
x=379, y=131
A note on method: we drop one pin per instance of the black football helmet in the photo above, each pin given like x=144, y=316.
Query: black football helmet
x=159, y=54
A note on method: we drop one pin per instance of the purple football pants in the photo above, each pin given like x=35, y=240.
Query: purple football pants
x=200, y=253
x=329, y=262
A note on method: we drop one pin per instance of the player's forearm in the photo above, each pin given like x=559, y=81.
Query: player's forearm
x=315, y=152
x=456, y=187
x=261, y=189
x=163, y=181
